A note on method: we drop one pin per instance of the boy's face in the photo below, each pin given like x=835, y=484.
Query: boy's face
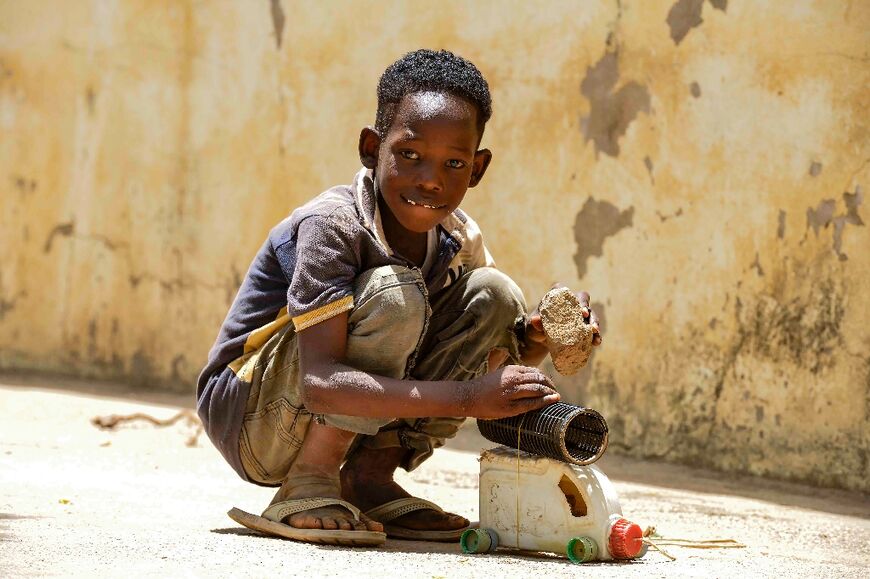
x=428, y=158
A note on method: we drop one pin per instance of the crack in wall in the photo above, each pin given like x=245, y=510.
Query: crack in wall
x=277, y=14
x=648, y=163
x=170, y=284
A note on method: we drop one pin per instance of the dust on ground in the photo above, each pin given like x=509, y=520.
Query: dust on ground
x=78, y=500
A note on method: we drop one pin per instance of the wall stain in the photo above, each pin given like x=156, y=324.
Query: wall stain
x=647, y=162
x=24, y=185
x=853, y=201
x=682, y=17
x=780, y=226
x=91, y=99
x=7, y=306
x=815, y=169
x=806, y=329
x=664, y=218
x=180, y=371
x=596, y=221
x=610, y=112
x=68, y=230
x=65, y=229
x=277, y=12
x=695, y=89
x=141, y=367
x=823, y=216
x=719, y=4
x=757, y=265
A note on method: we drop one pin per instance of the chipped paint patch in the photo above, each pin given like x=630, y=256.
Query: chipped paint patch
x=611, y=111
x=683, y=16
x=596, y=221
x=823, y=216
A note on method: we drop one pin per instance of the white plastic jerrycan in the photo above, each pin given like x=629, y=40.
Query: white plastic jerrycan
x=535, y=503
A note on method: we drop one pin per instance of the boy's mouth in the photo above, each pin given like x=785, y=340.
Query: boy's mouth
x=421, y=204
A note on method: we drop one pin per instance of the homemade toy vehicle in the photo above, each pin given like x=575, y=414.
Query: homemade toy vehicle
x=557, y=502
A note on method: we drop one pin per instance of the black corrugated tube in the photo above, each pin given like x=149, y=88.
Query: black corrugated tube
x=562, y=431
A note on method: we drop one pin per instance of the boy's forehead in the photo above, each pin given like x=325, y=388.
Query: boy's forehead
x=430, y=105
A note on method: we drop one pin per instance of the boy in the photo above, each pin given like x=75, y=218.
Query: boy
x=371, y=322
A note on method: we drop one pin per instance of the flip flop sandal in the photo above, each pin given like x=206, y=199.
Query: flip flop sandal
x=394, y=509
x=269, y=523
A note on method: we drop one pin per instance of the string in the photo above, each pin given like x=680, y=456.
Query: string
x=650, y=533
x=519, y=435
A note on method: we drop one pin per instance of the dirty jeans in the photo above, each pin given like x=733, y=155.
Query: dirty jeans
x=395, y=330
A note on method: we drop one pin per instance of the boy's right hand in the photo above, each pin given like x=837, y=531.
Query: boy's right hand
x=509, y=391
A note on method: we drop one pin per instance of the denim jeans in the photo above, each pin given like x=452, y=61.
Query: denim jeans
x=395, y=330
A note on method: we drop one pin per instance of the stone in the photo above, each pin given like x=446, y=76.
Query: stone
x=569, y=334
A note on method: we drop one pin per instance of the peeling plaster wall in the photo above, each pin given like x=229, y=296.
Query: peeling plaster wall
x=699, y=166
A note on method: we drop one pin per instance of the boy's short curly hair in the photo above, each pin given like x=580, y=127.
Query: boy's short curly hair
x=431, y=70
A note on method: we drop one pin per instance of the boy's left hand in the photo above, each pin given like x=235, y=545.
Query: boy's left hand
x=535, y=335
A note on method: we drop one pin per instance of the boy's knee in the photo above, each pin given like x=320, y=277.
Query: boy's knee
x=388, y=319
x=496, y=296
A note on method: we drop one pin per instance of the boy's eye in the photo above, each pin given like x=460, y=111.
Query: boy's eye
x=412, y=155
x=455, y=164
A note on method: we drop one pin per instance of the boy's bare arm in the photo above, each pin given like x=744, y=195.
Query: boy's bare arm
x=330, y=386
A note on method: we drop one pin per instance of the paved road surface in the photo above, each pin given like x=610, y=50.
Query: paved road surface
x=75, y=500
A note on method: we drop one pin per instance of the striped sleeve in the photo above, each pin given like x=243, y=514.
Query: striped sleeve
x=322, y=269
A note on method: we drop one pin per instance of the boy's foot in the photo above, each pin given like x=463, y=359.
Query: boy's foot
x=367, y=482
x=303, y=486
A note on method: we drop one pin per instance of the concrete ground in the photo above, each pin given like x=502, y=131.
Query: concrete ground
x=76, y=500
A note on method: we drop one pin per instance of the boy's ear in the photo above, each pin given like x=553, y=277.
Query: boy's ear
x=369, y=144
x=479, y=165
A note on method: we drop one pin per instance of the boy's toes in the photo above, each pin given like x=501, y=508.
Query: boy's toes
x=303, y=521
x=329, y=523
x=372, y=525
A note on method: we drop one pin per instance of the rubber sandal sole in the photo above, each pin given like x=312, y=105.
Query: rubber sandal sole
x=317, y=536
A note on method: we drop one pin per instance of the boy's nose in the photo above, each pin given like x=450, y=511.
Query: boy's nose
x=428, y=179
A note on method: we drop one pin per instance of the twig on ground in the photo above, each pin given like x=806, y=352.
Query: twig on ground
x=111, y=422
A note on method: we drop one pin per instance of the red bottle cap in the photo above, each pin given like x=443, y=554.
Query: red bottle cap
x=626, y=540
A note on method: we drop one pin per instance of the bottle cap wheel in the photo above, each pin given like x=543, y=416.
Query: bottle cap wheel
x=582, y=549
x=626, y=540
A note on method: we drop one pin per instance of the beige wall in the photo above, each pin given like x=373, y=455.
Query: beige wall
x=698, y=166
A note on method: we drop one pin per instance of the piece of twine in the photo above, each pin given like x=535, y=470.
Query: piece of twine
x=519, y=435
x=654, y=540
